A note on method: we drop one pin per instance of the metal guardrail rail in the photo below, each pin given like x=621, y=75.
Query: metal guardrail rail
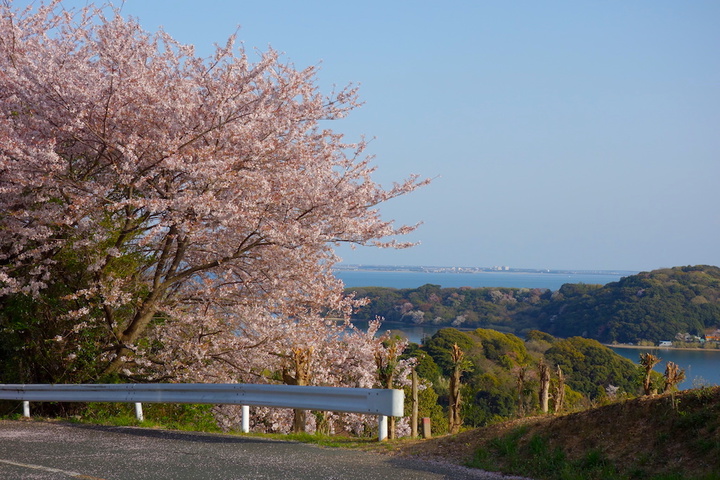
x=380, y=402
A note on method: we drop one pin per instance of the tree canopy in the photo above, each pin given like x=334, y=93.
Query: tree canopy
x=591, y=367
x=653, y=306
x=170, y=216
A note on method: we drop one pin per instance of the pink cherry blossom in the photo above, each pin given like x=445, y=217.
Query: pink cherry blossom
x=204, y=197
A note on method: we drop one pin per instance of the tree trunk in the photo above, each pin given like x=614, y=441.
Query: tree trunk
x=392, y=435
x=299, y=420
x=544, y=372
x=455, y=419
x=559, y=391
x=386, y=362
x=300, y=361
x=414, y=417
x=520, y=380
x=648, y=361
x=132, y=332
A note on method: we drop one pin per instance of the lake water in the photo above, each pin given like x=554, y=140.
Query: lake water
x=702, y=367
x=410, y=279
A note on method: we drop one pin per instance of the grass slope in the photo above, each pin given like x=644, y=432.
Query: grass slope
x=660, y=437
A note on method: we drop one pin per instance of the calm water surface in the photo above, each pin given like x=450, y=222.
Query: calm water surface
x=400, y=279
x=702, y=367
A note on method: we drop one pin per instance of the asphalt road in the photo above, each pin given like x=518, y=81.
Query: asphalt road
x=49, y=450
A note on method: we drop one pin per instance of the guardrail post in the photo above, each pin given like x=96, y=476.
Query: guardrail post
x=26, y=409
x=245, y=419
x=139, y=412
x=382, y=428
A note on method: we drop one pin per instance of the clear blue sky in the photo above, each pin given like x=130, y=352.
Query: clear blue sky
x=563, y=134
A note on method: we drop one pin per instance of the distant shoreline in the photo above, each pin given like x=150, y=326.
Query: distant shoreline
x=640, y=347
x=471, y=270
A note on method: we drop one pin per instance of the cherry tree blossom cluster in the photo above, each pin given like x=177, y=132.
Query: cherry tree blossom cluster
x=337, y=354
x=186, y=208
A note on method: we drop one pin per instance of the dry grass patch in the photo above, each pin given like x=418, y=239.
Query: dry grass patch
x=668, y=437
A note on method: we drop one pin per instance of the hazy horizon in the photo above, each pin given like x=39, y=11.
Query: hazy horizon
x=486, y=268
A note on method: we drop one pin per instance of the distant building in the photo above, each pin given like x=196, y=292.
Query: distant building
x=713, y=337
x=686, y=337
x=665, y=343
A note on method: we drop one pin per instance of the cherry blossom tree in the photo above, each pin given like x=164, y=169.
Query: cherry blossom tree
x=310, y=352
x=165, y=214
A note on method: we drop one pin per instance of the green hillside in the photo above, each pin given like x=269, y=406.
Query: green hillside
x=655, y=438
x=501, y=376
x=650, y=306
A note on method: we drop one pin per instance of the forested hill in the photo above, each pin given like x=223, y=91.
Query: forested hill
x=653, y=306
x=650, y=306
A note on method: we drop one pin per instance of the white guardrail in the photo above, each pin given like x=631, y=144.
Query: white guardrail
x=380, y=402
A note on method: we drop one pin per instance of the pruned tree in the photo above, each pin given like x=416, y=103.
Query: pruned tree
x=389, y=367
x=156, y=202
x=648, y=362
x=415, y=399
x=460, y=364
x=522, y=375
x=559, y=391
x=673, y=376
x=544, y=374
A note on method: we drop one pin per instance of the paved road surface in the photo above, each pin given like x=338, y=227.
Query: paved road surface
x=48, y=450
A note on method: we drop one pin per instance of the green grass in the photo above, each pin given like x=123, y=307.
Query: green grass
x=534, y=457
x=669, y=437
x=197, y=418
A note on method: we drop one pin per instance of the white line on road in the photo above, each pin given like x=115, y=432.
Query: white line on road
x=50, y=469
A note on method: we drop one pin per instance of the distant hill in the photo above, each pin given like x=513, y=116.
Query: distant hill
x=651, y=306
